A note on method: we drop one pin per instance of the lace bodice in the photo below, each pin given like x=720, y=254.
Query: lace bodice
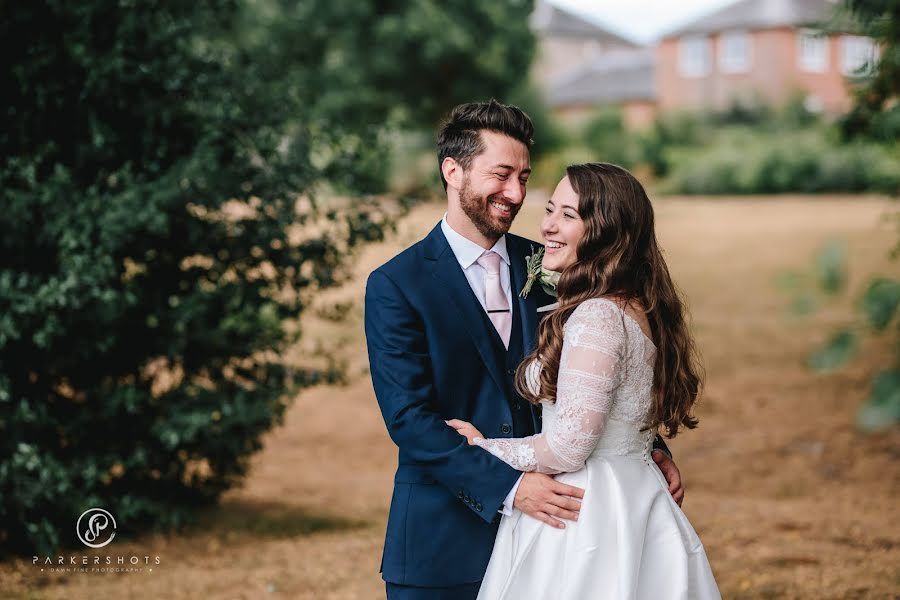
x=604, y=394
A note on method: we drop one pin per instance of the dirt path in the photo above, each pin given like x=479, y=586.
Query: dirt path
x=789, y=500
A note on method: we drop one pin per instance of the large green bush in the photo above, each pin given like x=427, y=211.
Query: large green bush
x=549, y=135
x=744, y=161
x=165, y=176
x=758, y=149
x=605, y=135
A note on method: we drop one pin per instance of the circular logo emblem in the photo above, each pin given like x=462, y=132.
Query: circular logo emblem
x=96, y=527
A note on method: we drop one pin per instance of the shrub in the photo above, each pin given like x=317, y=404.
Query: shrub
x=740, y=161
x=163, y=179
x=549, y=135
x=550, y=168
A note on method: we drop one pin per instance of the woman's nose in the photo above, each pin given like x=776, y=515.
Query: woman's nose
x=548, y=225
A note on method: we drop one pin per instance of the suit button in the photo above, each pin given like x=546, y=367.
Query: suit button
x=478, y=506
x=510, y=371
x=506, y=428
x=467, y=500
x=460, y=495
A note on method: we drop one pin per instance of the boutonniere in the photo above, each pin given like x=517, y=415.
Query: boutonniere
x=536, y=272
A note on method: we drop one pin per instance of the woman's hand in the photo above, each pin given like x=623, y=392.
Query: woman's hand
x=465, y=429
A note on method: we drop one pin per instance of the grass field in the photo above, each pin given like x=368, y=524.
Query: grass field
x=790, y=501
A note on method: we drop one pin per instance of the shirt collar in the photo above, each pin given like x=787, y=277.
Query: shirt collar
x=467, y=251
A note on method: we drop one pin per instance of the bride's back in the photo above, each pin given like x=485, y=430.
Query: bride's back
x=595, y=321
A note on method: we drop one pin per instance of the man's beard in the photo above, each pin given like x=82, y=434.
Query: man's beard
x=478, y=209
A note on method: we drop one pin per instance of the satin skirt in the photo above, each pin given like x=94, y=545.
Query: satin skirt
x=631, y=541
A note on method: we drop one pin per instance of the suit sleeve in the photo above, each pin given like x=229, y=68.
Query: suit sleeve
x=660, y=444
x=400, y=365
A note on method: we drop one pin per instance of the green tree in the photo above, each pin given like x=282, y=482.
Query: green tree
x=167, y=173
x=878, y=311
x=876, y=111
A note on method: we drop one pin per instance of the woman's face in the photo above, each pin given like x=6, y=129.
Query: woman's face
x=562, y=228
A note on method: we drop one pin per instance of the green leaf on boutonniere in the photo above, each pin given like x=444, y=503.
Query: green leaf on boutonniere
x=537, y=273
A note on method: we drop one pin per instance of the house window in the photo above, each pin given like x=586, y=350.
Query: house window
x=812, y=51
x=813, y=104
x=693, y=56
x=734, y=52
x=857, y=53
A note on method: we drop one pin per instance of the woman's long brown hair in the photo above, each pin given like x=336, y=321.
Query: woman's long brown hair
x=619, y=256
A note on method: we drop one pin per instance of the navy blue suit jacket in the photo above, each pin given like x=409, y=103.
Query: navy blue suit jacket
x=432, y=357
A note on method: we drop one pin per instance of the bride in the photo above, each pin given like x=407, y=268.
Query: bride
x=614, y=362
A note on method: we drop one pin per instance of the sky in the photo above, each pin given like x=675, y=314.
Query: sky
x=641, y=20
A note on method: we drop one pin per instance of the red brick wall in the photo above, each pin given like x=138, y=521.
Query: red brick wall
x=638, y=114
x=774, y=75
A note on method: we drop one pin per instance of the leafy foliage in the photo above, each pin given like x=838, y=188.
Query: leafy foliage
x=605, y=135
x=879, y=308
x=883, y=405
x=177, y=178
x=839, y=349
x=880, y=302
x=876, y=112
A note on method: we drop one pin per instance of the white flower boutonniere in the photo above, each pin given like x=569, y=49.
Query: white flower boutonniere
x=536, y=272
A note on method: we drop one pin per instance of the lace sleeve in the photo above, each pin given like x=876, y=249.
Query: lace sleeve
x=593, y=348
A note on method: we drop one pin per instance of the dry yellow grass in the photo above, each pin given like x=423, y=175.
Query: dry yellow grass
x=790, y=501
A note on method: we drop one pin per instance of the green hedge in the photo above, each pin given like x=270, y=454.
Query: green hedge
x=742, y=161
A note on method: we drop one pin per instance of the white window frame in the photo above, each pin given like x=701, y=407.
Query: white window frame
x=812, y=51
x=694, y=55
x=735, y=51
x=857, y=51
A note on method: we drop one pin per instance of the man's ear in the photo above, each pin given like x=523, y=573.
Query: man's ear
x=453, y=172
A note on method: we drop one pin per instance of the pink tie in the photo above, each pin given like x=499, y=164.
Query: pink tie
x=495, y=300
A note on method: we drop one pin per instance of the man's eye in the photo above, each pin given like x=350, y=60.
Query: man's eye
x=502, y=176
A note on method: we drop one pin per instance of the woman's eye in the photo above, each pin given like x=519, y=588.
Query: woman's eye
x=547, y=210
x=569, y=216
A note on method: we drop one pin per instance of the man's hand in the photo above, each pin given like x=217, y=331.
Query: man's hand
x=544, y=498
x=671, y=473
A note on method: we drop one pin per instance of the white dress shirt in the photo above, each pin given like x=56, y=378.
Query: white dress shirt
x=467, y=253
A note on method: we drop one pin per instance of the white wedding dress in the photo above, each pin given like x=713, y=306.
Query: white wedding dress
x=631, y=539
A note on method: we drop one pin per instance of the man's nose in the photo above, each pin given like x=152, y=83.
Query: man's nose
x=514, y=191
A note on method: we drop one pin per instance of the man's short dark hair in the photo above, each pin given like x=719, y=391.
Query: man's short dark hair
x=460, y=137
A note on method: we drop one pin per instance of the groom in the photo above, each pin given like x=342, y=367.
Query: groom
x=445, y=329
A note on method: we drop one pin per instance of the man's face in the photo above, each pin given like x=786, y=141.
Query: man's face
x=494, y=184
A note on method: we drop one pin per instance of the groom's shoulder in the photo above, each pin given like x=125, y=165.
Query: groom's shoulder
x=520, y=245
x=405, y=262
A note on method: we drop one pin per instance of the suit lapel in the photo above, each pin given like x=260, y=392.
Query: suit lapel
x=519, y=250
x=527, y=306
x=446, y=269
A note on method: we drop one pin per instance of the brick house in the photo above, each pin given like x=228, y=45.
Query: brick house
x=624, y=79
x=580, y=65
x=760, y=50
x=566, y=42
